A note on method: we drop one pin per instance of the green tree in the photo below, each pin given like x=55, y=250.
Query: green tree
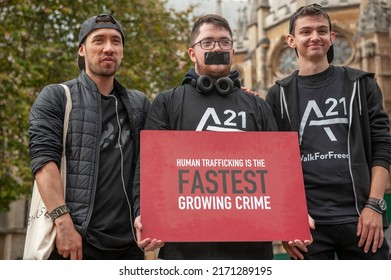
x=38, y=46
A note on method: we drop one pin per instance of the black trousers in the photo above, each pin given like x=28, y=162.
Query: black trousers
x=217, y=251
x=341, y=242
x=92, y=253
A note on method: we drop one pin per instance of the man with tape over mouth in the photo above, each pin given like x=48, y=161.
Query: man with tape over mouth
x=210, y=98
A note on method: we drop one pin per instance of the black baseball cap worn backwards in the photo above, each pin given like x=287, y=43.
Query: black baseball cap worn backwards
x=313, y=9
x=97, y=22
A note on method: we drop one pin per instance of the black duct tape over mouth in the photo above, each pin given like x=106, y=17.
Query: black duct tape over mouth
x=217, y=58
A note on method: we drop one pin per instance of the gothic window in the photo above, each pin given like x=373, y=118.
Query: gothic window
x=342, y=50
x=287, y=61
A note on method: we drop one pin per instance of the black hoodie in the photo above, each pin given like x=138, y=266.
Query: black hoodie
x=186, y=108
x=369, y=140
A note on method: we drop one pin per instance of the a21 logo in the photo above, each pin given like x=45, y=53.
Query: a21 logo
x=233, y=121
x=326, y=121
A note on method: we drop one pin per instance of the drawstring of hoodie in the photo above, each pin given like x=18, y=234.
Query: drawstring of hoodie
x=356, y=91
x=283, y=104
x=359, y=95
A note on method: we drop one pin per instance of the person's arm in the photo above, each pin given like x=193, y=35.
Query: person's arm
x=156, y=119
x=271, y=99
x=46, y=133
x=50, y=186
x=147, y=244
x=145, y=107
x=68, y=240
x=266, y=119
x=370, y=223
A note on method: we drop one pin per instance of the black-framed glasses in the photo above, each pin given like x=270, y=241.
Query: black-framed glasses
x=209, y=44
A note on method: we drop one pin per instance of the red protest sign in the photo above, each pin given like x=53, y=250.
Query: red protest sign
x=222, y=186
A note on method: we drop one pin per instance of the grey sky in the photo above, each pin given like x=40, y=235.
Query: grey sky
x=229, y=8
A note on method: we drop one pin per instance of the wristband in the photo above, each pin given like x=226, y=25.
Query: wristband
x=375, y=205
x=59, y=211
x=370, y=206
x=379, y=203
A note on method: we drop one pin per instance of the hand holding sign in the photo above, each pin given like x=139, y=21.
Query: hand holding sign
x=147, y=244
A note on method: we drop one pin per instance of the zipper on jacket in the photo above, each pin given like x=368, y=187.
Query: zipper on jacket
x=283, y=105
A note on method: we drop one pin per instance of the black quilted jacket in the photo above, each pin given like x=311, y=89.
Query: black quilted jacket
x=82, y=145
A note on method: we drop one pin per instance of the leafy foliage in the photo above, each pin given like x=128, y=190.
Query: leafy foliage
x=38, y=46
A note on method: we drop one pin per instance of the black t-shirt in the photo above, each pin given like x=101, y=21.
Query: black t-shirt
x=324, y=148
x=110, y=224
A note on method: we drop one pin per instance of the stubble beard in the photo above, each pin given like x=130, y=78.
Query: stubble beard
x=102, y=71
x=211, y=71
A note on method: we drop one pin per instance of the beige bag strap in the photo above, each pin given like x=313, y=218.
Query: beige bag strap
x=68, y=109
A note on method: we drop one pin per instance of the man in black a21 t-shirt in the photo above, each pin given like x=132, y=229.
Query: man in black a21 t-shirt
x=344, y=141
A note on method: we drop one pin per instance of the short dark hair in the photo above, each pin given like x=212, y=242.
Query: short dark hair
x=309, y=10
x=214, y=19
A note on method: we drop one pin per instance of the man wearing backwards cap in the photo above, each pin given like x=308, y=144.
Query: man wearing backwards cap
x=344, y=141
x=102, y=149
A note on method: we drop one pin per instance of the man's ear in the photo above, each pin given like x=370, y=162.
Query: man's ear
x=291, y=41
x=191, y=53
x=81, y=50
x=332, y=37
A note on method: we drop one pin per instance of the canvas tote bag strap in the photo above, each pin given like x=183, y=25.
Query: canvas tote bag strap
x=68, y=109
x=41, y=232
